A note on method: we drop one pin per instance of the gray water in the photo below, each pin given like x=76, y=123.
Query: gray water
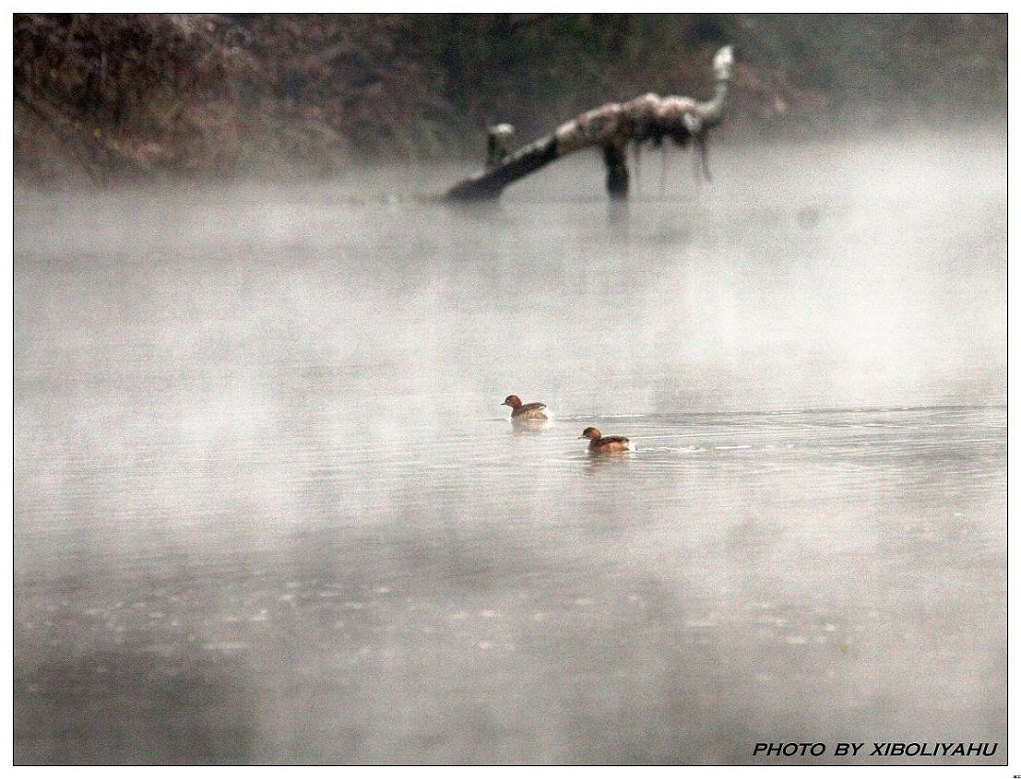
x=269, y=509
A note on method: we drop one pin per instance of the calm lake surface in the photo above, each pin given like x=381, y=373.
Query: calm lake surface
x=268, y=508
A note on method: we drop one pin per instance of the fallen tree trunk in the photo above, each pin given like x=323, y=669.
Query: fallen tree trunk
x=612, y=126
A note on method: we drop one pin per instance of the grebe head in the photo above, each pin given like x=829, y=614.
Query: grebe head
x=513, y=401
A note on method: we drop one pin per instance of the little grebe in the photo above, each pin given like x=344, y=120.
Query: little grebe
x=600, y=443
x=526, y=410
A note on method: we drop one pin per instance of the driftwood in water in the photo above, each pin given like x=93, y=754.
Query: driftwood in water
x=612, y=126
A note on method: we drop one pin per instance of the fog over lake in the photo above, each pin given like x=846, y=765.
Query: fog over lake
x=269, y=509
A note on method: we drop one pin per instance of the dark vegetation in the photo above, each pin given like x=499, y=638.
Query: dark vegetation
x=106, y=97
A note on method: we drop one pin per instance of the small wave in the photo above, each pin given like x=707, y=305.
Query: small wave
x=672, y=449
x=735, y=446
x=597, y=417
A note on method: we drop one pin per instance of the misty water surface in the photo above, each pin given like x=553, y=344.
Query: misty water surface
x=269, y=509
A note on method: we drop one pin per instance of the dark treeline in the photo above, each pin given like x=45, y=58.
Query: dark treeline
x=112, y=96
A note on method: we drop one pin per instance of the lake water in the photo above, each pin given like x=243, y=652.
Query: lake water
x=268, y=508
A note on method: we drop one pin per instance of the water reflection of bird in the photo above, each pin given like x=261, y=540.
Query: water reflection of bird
x=525, y=411
x=525, y=427
x=605, y=444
